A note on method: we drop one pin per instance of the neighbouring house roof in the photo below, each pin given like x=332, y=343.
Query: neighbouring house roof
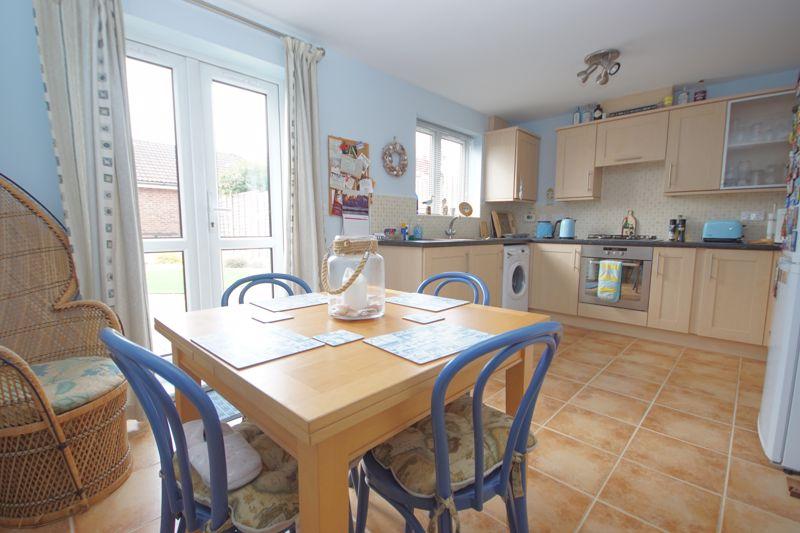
x=156, y=163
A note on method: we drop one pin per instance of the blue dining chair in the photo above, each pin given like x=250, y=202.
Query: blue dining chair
x=478, y=455
x=258, y=279
x=480, y=291
x=184, y=496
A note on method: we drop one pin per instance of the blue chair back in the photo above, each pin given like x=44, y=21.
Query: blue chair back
x=140, y=367
x=258, y=279
x=480, y=291
x=506, y=345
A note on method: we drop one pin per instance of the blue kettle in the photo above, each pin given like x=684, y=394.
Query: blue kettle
x=544, y=229
x=565, y=228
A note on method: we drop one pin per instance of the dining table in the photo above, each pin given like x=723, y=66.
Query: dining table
x=330, y=405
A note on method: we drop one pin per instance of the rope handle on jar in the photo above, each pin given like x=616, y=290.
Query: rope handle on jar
x=346, y=246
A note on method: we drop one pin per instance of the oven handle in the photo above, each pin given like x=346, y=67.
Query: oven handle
x=624, y=263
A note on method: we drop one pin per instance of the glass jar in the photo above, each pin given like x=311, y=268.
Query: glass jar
x=353, y=276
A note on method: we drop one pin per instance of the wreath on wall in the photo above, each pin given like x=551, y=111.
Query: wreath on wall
x=390, y=151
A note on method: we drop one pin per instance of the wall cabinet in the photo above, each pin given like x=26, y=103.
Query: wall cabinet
x=576, y=175
x=555, y=276
x=407, y=266
x=731, y=294
x=511, y=157
x=632, y=140
x=695, y=144
x=671, y=286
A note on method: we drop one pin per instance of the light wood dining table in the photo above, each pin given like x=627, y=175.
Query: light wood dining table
x=329, y=405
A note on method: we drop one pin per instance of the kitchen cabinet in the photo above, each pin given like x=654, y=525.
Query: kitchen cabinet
x=576, y=175
x=511, y=157
x=671, y=284
x=407, y=266
x=632, y=140
x=772, y=296
x=555, y=276
x=695, y=144
x=731, y=294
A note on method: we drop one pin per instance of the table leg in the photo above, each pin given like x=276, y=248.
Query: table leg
x=186, y=409
x=518, y=377
x=324, y=495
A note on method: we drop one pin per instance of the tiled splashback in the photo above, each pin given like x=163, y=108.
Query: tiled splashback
x=390, y=211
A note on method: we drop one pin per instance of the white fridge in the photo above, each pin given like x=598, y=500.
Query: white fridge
x=779, y=417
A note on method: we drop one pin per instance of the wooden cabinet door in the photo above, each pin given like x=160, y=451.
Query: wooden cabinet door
x=733, y=292
x=402, y=267
x=671, y=289
x=632, y=140
x=527, y=171
x=695, y=144
x=576, y=176
x=773, y=280
x=555, y=275
x=486, y=262
x=447, y=259
x=500, y=152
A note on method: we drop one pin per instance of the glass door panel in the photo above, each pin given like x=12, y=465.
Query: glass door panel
x=166, y=290
x=237, y=264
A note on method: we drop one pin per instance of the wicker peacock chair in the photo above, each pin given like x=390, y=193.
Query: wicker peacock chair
x=63, y=440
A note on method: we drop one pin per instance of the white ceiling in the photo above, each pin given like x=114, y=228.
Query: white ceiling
x=518, y=58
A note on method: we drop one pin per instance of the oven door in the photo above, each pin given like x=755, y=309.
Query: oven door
x=634, y=286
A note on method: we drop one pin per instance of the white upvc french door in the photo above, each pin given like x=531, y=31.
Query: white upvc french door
x=207, y=152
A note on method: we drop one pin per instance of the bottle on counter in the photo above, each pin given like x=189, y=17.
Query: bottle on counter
x=576, y=116
x=681, y=229
x=597, y=114
x=672, y=231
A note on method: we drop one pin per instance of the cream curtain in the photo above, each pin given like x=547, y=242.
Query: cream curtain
x=82, y=48
x=304, y=236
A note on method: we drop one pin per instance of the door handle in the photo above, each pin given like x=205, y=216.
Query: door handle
x=669, y=177
x=631, y=158
x=589, y=180
x=519, y=190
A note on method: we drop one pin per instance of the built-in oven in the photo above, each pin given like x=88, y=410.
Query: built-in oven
x=634, y=279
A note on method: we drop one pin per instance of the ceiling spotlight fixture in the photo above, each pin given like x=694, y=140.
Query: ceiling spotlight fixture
x=605, y=60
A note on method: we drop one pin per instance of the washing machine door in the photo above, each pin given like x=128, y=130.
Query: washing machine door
x=519, y=280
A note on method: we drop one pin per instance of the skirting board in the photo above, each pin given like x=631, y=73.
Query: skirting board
x=659, y=335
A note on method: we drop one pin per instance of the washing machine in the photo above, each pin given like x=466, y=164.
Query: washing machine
x=516, y=264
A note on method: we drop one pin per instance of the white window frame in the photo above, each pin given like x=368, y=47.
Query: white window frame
x=438, y=134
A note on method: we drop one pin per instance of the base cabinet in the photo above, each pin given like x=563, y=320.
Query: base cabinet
x=671, y=284
x=731, y=294
x=555, y=276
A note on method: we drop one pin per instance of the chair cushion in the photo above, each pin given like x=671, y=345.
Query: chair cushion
x=269, y=502
x=409, y=454
x=70, y=383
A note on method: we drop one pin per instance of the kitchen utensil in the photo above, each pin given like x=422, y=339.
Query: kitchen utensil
x=544, y=229
x=565, y=228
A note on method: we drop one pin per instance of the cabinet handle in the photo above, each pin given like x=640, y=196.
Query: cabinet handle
x=589, y=180
x=712, y=273
x=669, y=177
x=631, y=158
x=574, y=254
x=660, y=267
x=519, y=193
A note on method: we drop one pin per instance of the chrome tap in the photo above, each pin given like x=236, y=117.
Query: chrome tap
x=450, y=231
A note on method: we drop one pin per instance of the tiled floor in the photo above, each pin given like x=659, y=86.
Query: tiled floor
x=633, y=436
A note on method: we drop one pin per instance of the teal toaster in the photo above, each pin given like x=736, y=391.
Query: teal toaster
x=723, y=231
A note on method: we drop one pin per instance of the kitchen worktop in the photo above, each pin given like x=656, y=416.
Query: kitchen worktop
x=434, y=243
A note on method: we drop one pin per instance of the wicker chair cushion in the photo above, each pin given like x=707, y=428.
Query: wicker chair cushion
x=269, y=502
x=70, y=383
x=409, y=454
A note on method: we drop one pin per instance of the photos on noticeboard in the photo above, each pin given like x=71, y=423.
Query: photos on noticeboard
x=349, y=186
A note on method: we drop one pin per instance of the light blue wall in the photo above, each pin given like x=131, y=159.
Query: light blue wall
x=546, y=127
x=26, y=148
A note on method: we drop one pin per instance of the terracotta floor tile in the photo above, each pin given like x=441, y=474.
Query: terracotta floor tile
x=661, y=348
x=154, y=526
x=715, y=359
x=571, y=461
x=661, y=500
x=746, y=445
x=638, y=370
x=700, y=368
x=753, y=372
x=587, y=355
x=746, y=417
x=679, y=459
x=492, y=387
x=610, y=338
x=648, y=358
x=605, y=519
x=749, y=395
x=545, y=407
x=471, y=520
x=688, y=379
x=572, y=370
x=684, y=426
x=696, y=403
x=762, y=487
x=638, y=388
x=610, y=404
x=742, y=518
x=144, y=451
x=595, y=345
x=598, y=430
x=62, y=526
x=136, y=502
x=558, y=387
x=497, y=400
x=552, y=506
x=574, y=331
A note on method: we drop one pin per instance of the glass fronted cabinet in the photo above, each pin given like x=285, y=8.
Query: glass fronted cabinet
x=757, y=141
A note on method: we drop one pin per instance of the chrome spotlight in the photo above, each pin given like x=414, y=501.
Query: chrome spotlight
x=605, y=60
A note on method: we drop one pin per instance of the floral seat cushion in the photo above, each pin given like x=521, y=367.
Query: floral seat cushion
x=409, y=454
x=70, y=383
x=270, y=502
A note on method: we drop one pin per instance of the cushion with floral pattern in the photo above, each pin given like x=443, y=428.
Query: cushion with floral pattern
x=70, y=383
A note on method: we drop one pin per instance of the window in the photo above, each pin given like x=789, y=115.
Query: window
x=441, y=174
